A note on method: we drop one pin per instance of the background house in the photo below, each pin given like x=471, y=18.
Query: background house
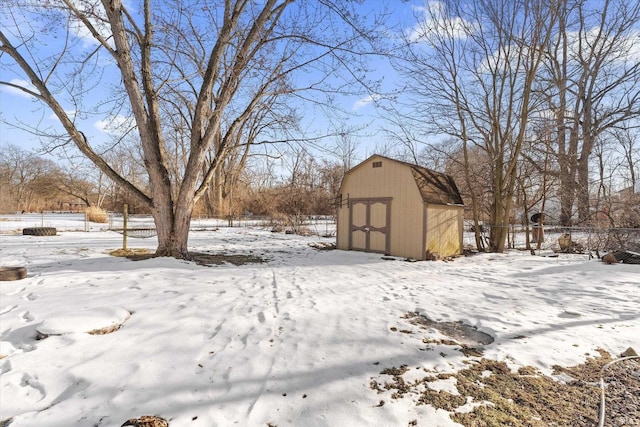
x=399, y=209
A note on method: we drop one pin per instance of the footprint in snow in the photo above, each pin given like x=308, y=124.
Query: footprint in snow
x=17, y=291
x=5, y=366
x=28, y=388
x=8, y=308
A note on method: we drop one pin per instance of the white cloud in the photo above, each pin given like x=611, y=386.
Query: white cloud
x=634, y=50
x=366, y=101
x=112, y=125
x=18, y=92
x=92, y=9
x=436, y=22
x=96, y=15
x=70, y=113
x=626, y=48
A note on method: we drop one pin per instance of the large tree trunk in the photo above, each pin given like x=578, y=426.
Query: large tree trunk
x=170, y=240
x=498, y=228
x=218, y=193
x=588, y=140
x=172, y=227
x=475, y=205
x=559, y=66
x=583, y=191
x=567, y=197
x=495, y=235
x=502, y=201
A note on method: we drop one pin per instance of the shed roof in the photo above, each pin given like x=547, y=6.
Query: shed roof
x=435, y=188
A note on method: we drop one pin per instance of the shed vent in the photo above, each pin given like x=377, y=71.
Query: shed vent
x=377, y=164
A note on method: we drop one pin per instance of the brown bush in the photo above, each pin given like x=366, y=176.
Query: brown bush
x=96, y=214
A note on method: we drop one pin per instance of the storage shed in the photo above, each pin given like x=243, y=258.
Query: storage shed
x=399, y=209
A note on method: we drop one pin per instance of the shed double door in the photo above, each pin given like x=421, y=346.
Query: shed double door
x=369, y=224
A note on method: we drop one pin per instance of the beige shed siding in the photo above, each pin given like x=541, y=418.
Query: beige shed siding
x=424, y=210
x=391, y=180
x=358, y=217
x=342, y=219
x=378, y=218
x=444, y=230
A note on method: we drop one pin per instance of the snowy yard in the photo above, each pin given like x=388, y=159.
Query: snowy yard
x=293, y=341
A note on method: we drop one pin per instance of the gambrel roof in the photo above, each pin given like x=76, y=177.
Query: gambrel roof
x=436, y=188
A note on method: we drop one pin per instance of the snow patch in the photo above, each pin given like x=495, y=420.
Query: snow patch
x=97, y=320
x=243, y=345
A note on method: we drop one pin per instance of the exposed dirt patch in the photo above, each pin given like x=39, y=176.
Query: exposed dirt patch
x=466, y=338
x=525, y=400
x=528, y=398
x=622, y=404
x=463, y=334
x=133, y=254
x=489, y=394
x=323, y=246
x=398, y=385
x=96, y=321
x=590, y=371
x=107, y=330
x=441, y=399
x=200, y=258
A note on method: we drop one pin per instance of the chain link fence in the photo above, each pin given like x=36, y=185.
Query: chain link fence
x=596, y=240
x=15, y=223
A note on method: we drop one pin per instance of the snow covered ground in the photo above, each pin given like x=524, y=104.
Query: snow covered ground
x=293, y=341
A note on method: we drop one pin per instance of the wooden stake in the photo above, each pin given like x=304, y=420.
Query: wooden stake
x=124, y=226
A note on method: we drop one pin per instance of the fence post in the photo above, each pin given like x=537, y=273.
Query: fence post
x=125, y=214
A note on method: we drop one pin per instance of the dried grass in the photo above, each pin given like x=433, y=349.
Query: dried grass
x=96, y=214
x=106, y=330
x=525, y=398
x=133, y=252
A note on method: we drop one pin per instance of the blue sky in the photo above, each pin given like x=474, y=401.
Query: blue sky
x=19, y=110
x=358, y=109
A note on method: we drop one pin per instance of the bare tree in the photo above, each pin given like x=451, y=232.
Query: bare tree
x=78, y=178
x=628, y=146
x=537, y=176
x=72, y=184
x=470, y=69
x=269, y=118
x=28, y=178
x=616, y=198
x=29, y=181
x=208, y=63
x=591, y=76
